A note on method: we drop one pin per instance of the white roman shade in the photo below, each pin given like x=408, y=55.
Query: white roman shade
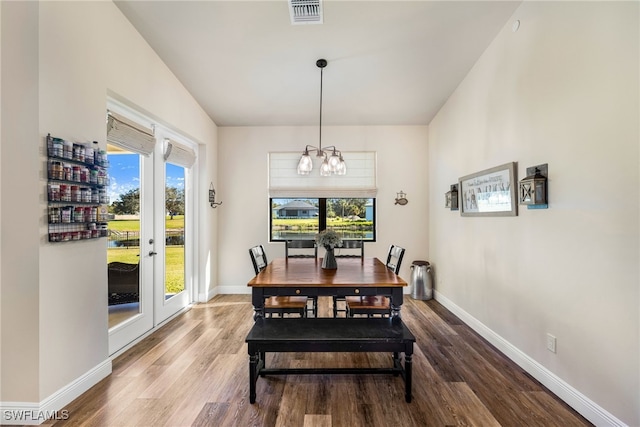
x=179, y=154
x=359, y=182
x=129, y=134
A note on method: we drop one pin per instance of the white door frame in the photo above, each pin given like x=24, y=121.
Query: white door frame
x=154, y=309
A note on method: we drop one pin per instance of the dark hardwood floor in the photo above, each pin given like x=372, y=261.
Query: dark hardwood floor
x=195, y=372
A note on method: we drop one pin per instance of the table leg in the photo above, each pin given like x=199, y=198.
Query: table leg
x=396, y=302
x=396, y=363
x=257, y=298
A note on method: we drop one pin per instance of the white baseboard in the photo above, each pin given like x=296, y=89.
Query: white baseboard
x=206, y=296
x=233, y=290
x=572, y=397
x=28, y=413
x=218, y=290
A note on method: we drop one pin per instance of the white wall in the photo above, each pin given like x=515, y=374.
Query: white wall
x=21, y=209
x=562, y=90
x=83, y=51
x=401, y=166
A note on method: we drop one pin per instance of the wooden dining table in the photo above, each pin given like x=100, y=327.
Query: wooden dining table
x=306, y=277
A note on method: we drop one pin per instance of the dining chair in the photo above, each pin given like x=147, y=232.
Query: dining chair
x=276, y=305
x=351, y=248
x=300, y=249
x=378, y=304
x=394, y=258
x=303, y=249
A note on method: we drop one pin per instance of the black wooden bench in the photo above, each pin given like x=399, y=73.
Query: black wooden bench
x=329, y=335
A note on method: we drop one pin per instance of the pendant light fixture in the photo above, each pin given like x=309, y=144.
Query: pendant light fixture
x=332, y=161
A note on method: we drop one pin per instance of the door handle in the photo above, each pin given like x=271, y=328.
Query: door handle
x=152, y=253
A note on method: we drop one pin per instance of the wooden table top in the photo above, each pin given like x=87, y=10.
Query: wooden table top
x=308, y=272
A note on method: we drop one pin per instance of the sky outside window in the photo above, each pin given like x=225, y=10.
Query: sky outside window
x=123, y=175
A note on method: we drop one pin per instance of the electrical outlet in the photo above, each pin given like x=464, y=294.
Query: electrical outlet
x=551, y=343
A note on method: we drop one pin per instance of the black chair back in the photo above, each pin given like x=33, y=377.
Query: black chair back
x=394, y=258
x=258, y=258
x=300, y=249
x=275, y=304
x=350, y=245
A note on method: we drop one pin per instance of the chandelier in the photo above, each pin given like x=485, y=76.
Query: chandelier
x=332, y=161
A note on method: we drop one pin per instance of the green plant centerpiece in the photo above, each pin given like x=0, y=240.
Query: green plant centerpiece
x=330, y=240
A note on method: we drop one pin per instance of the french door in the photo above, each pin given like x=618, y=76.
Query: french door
x=149, y=250
x=131, y=250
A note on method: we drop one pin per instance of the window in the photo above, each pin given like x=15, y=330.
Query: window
x=302, y=218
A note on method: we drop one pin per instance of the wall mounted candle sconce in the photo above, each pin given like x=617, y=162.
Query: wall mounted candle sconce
x=454, y=197
x=451, y=198
x=401, y=199
x=212, y=197
x=533, y=187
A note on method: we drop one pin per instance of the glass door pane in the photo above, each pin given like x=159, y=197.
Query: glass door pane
x=174, y=280
x=173, y=264
x=129, y=271
x=123, y=247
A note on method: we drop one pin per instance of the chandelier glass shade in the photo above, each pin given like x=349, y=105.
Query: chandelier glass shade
x=332, y=161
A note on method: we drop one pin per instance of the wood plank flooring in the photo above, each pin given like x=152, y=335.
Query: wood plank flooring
x=195, y=372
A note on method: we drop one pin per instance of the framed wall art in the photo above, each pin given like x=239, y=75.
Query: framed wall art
x=491, y=192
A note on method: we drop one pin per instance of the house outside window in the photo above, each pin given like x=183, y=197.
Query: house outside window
x=296, y=209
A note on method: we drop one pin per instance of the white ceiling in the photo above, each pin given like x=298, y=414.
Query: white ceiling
x=389, y=62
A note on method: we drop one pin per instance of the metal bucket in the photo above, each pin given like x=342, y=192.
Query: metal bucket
x=421, y=280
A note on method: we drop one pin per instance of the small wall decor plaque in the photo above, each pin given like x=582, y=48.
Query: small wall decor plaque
x=401, y=198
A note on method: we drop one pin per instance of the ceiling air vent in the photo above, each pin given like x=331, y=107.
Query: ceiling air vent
x=305, y=11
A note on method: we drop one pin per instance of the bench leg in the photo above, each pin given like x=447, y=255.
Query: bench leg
x=262, y=362
x=396, y=363
x=253, y=376
x=407, y=377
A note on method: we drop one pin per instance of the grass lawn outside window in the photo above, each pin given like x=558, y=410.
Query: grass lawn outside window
x=174, y=255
